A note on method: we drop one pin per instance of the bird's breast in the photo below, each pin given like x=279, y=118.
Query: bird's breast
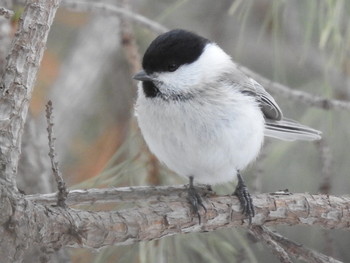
x=207, y=140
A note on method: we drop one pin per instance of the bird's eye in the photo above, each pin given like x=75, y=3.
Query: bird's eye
x=172, y=67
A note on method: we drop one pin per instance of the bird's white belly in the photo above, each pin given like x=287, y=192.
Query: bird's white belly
x=210, y=145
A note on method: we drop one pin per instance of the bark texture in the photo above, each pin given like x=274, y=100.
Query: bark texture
x=162, y=215
x=16, y=87
x=18, y=80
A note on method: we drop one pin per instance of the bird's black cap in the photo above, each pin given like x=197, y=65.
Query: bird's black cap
x=173, y=49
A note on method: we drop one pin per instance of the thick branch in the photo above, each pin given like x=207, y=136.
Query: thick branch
x=16, y=86
x=323, y=210
x=167, y=213
x=18, y=80
x=113, y=195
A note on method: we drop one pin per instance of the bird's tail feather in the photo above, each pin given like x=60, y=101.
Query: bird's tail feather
x=290, y=130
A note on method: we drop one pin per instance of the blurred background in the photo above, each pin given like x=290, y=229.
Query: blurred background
x=86, y=72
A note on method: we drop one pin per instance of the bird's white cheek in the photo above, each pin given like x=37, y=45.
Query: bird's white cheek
x=183, y=79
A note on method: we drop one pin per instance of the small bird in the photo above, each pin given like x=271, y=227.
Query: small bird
x=204, y=118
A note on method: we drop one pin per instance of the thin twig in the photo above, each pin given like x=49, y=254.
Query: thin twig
x=297, y=250
x=62, y=190
x=276, y=248
x=6, y=13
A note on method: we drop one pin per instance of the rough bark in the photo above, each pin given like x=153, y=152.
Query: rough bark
x=18, y=80
x=16, y=87
x=159, y=216
x=5, y=39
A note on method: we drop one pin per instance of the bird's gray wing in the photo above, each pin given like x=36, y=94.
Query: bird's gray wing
x=275, y=124
x=267, y=103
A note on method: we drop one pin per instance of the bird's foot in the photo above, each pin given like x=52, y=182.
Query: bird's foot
x=195, y=200
x=244, y=198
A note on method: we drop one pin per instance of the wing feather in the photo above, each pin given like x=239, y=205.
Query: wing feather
x=275, y=124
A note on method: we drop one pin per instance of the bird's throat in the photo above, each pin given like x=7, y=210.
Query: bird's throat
x=150, y=90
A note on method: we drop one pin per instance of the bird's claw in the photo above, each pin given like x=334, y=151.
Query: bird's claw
x=245, y=199
x=195, y=200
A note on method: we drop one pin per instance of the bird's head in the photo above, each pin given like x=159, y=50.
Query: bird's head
x=181, y=62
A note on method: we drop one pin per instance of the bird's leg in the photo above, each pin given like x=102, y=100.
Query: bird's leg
x=244, y=198
x=195, y=199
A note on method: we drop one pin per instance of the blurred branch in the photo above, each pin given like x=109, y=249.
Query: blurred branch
x=297, y=95
x=276, y=248
x=296, y=250
x=6, y=13
x=134, y=60
x=109, y=9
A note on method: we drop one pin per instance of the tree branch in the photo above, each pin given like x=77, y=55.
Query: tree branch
x=114, y=195
x=276, y=248
x=61, y=185
x=18, y=80
x=109, y=9
x=296, y=250
x=16, y=86
x=297, y=95
x=168, y=213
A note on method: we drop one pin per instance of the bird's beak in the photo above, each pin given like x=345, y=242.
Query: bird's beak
x=142, y=76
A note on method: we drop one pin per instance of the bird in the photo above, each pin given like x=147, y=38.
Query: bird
x=202, y=117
